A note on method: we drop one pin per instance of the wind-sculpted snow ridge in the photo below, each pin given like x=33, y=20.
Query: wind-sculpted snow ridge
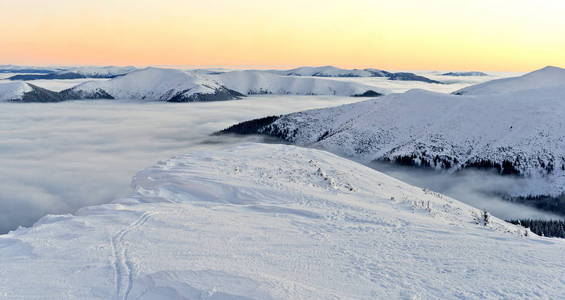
x=261, y=82
x=548, y=77
x=153, y=84
x=24, y=92
x=518, y=133
x=277, y=222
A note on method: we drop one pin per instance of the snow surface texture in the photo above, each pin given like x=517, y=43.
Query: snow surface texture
x=13, y=91
x=261, y=82
x=545, y=78
x=296, y=224
x=516, y=133
x=152, y=84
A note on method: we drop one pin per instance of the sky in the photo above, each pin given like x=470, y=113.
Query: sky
x=498, y=35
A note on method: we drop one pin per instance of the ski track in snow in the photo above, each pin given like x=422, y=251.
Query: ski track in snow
x=123, y=267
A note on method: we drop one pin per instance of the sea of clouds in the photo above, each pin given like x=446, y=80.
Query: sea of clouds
x=56, y=158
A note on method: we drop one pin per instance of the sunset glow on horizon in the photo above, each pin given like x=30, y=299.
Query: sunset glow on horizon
x=500, y=35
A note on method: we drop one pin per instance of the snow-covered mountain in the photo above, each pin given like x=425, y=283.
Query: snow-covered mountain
x=544, y=78
x=515, y=133
x=331, y=71
x=295, y=224
x=154, y=84
x=460, y=74
x=261, y=82
x=24, y=92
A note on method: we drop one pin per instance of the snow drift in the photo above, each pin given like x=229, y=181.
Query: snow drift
x=261, y=82
x=295, y=224
x=153, y=84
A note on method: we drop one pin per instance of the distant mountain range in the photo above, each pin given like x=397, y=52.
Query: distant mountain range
x=73, y=73
x=331, y=71
x=460, y=74
x=170, y=85
x=26, y=69
x=260, y=82
x=36, y=73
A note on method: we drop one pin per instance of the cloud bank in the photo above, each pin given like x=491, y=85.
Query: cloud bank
x=57, y=158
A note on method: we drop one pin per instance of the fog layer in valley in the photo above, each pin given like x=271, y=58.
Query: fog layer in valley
x=481, y=189
x=56, y=158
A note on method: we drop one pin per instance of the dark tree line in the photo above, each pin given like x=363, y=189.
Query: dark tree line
x=547, y=203
x=549, y=228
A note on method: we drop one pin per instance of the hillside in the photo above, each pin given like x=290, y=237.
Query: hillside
x=295, y=224
x=517, y=133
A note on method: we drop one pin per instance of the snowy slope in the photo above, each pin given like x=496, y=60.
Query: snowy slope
x=153, y=84
x=543, y=78
x=24, y=92
x=295, y=224
x=516, y=133
x=261, y=82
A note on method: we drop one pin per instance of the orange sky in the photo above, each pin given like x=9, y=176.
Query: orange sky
x=517, y=35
